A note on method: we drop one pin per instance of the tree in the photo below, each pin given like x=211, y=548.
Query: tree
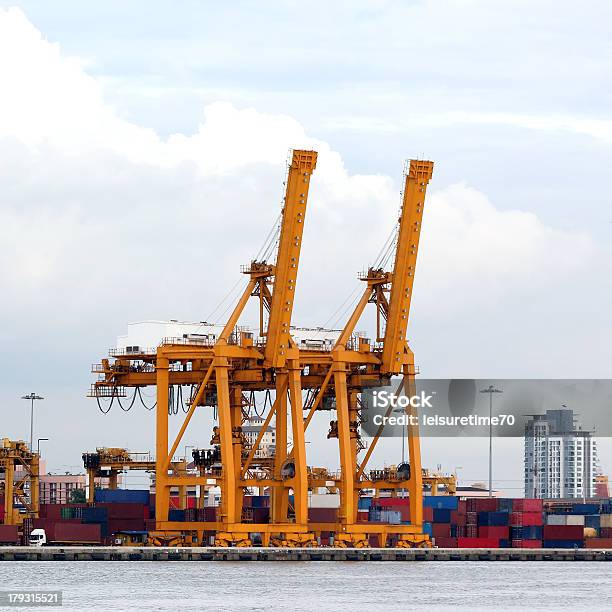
x=77, y=496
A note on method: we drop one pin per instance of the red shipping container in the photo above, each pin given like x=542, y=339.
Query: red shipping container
x=526, y=543
x=9, y=534
x=563, y=532
x=457, y=518
x=462, y=506
x=482, y=504
x=76, y=533
x=527, y=505
x=471, y=531
x=497, y=532
x=51, y=511
x=362, y=516
x=150, y=525
x=124, y=511
x=477, y=543
x=115, y=525
x=605, y=532
x=322, y=515
x=598, y=542
x=388, y=502
x=446, y=542
x=461, y=531
x=427, y=514
x=471, y=518
x=526, y=519
x=441, y=530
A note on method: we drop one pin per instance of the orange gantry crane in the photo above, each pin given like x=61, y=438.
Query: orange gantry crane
x=236, y=363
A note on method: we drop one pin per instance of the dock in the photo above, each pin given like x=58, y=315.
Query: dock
x=128, y=553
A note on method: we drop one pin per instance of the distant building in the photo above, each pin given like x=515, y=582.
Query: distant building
x=58, y=488
x=602, y=487
x=267, y=445
x=560, y=459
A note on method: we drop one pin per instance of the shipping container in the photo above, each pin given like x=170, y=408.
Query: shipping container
x=364, y=503
x=122, y=496
x=446, y=502
x=74, y=533
x=563, y=532
x=526, y=543
x=496, y=532
x=563, y=543
x=527, y=532
x=565, y=519
x=95, y=515
x=482, y=504
x=605, y=532
x=527, y=505
x=493, y=519
x=9, y=534
x=598, y=543
x=441, y=530
x=323, y=515
x=457, y=518
x=471, y=518
x=427, y=514
x=605, y=520
x=477, y=543
x=428, y=529
x=115, y=525
x=442, y=542
x=441, y=515
x=585, y=509
x=331, y=500
x=124, y=510
x=176, y=515
x=592, y=520
x=525, y=519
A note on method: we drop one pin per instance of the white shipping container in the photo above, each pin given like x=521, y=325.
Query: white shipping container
x=605, y=520
x=330, y=500
x=565, y=519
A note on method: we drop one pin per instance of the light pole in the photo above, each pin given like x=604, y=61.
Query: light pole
x=38, y=444
x=32, y=396
x=491, y=389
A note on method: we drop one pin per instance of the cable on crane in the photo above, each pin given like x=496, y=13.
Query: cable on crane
x=142, y=400
x=131, y=403
x=110, y=404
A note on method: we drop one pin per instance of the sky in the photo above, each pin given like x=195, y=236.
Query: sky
x=142, y=152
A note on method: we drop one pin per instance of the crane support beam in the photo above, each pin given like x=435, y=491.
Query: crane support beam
x=416, y=180
x=286, y=268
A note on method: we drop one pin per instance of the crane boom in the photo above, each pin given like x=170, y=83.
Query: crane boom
x=417, y=177
x=286, y=268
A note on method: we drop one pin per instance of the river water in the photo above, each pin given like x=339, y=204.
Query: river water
x=321, y=586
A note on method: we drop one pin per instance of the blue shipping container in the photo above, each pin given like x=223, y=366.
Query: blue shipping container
x=428, y=529
x=563, y=544
x=585, y=509
x=364, y=503
x=447, y=502
x=441, y=515
x=504, y=504
x=176, y=515
x=493, y=519
x=592, y=520
x=95, y=515
x=529, y=532
x=122, y=496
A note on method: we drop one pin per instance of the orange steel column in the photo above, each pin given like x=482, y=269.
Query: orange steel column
x=162, y=491
x=228, y=480
x=300, y=481
x=415, y=484
x=280, y=496
x=236, y=410
x=347, y=466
